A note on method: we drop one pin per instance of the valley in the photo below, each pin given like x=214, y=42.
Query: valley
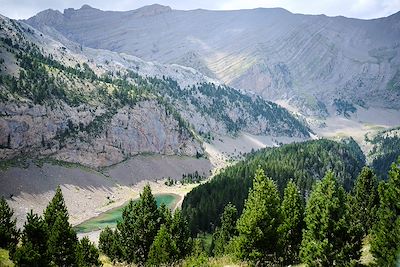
x=104, y=115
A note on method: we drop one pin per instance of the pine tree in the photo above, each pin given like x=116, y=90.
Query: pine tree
x=366, y=199
x=27, y=256
x=165, y=216
x=180, y=234
x=87, y=254
x=163, y=249
x=106, y=240
x=385, y=244
x=109, y=244
x=8, y=228
x=56, y=206
x=329, y=239
x=292, y=223
x=62, y=239
x=62, y=242
x=258, y=224
x=223, y=234
x=139, y=226
x=33, y=251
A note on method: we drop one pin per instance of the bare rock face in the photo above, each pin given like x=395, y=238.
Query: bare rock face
x=70, y=134
x=308, y=60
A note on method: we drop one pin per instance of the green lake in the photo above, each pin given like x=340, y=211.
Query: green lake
x=111, y=217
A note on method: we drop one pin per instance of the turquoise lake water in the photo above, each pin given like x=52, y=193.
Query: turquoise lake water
x=111, y=217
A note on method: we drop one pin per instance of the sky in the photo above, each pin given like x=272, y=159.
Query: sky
x=364, y=9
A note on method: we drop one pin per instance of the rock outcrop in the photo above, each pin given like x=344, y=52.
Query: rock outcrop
x=64, y=133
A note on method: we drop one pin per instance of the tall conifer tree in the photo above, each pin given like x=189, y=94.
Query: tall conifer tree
x=290, y=230
x=329, y=238
x=179, y=230
x=139, y=225
x=385, y=244
x=62, y=239
x=224, y=234
x=258, y=224
x=33, y=250
x=8, y=227
x=366, y=199
x=163, y=249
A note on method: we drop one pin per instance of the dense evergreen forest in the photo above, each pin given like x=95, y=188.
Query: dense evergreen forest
x=273, y=229
x=385, y=150
x=303, y=163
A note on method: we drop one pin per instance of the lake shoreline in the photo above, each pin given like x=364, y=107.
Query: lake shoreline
x=101, y=217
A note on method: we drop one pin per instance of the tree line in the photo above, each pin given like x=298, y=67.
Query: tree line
x=303, y=163
x=47, y=240
x=326, y=230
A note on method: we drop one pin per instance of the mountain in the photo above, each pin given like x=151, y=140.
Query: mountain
x=320, y=65
x=58, y=101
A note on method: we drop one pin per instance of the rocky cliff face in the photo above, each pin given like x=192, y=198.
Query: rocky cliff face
x=64, y=133
x=50, y=109
x=308, y=60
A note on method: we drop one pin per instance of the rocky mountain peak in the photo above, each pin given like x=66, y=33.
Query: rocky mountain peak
x=152, y=10
x=86, y=6
x=47, y=16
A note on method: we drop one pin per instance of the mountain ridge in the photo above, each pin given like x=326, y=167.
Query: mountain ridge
x=305, y=59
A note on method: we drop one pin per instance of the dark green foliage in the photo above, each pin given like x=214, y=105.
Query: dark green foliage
x=226, y=231
x=33, y=250
x=180, y=235
x=8, y=229
x=303, y=162
x=163, y=250
x=192, y=178
x=62, y=242
x=259, y=222
x=385, y=151
x=385, y=244
x=62, y=238
x=165, y=215
x=139, y=226
x=366, y=199
x=354, y=149
x=55, y=207
x=329, y=237
x=109, y=244
x=290, y=231
x=27, y=256
x=87, y=254
x=139, y=237
x=106, y=239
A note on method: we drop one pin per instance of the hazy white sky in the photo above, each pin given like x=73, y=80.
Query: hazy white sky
x=366, y=9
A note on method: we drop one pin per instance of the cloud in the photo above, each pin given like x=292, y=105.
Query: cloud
x=365, y=9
